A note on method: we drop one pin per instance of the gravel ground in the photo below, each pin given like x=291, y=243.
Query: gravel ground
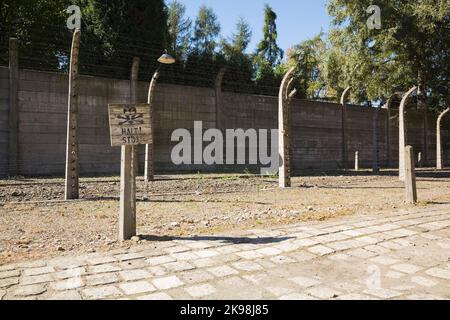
x=36, y=223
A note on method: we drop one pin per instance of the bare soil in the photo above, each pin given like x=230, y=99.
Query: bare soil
x=36, y=223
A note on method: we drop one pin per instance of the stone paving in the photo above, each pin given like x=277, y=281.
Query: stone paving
x=401, y=255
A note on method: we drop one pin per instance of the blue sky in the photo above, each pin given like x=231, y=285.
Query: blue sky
x=297, y=19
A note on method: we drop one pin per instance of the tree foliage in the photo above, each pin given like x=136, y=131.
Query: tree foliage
x=308, y=58
x=206, y=32
x=411, y=48
x=180, y=29
x=115, y=31
x=268, y=48
x=35, y=23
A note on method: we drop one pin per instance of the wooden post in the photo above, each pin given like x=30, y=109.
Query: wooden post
x=375, y=151
x=72, y=165
x=344, y=98
x=410, y=176
x=129, y=126
x=135, y=149
x=402, y=134
x=356, y=161
x=127, y=218
x=439, y=162
x=13, y=107
x=149, y=148
x=284, y=130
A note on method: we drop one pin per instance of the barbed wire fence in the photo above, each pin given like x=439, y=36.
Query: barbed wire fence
x=39, y=52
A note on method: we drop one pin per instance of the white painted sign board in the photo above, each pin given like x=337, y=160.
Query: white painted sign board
x=130, y=124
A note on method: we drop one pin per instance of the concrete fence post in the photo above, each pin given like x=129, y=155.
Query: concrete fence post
x=13, y=143
x=218, y=92
x=284, y=129
x=149, y=148
x=72, y=156
x=388, y=132
x=439, y=161
x=410, y=176
x=344, y=99
x=375, y=150
x=402, y=133
x=356, y=161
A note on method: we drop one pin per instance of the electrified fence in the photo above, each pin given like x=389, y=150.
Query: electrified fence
x=34, y=143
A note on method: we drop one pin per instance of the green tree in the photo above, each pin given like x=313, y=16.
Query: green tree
x=239, y=63
x=234, y=48
x=268, y=56
x=115, y=31
x=179, y=29
x=268, y=48
x=40, y=26
x=411, y=48
x=206, y=31
x=308, y=57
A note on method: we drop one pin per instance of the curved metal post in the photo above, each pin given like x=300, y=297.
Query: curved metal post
x=439, y=162
x=389, y=119
x=402, y=134
x=284, y=129
x=344, y=98
x=149, y=148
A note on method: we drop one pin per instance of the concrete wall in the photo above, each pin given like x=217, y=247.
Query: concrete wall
x=316, y=126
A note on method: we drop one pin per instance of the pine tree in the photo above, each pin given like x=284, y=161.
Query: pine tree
x=268, y=48
x=179, y=29
x=206, y=31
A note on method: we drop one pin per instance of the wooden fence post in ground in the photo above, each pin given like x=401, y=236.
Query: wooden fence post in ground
x=129, y=126
x=127, y=217
x=72, y=157
x=410, y=176
x=13, y=142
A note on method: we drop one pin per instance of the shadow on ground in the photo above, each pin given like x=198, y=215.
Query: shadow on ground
x=230, y=240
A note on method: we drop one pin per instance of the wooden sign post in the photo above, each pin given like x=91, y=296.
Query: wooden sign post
x=130, y=125
x=410, y=176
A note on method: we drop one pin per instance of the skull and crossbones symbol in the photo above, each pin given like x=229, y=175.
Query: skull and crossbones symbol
x=131, y=117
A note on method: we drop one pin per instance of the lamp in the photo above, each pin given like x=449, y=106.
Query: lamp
x=166, y=59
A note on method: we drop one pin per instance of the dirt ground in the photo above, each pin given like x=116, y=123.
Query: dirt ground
x=36, y=223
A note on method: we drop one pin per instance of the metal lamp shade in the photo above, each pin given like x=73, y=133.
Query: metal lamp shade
x=166, y=59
